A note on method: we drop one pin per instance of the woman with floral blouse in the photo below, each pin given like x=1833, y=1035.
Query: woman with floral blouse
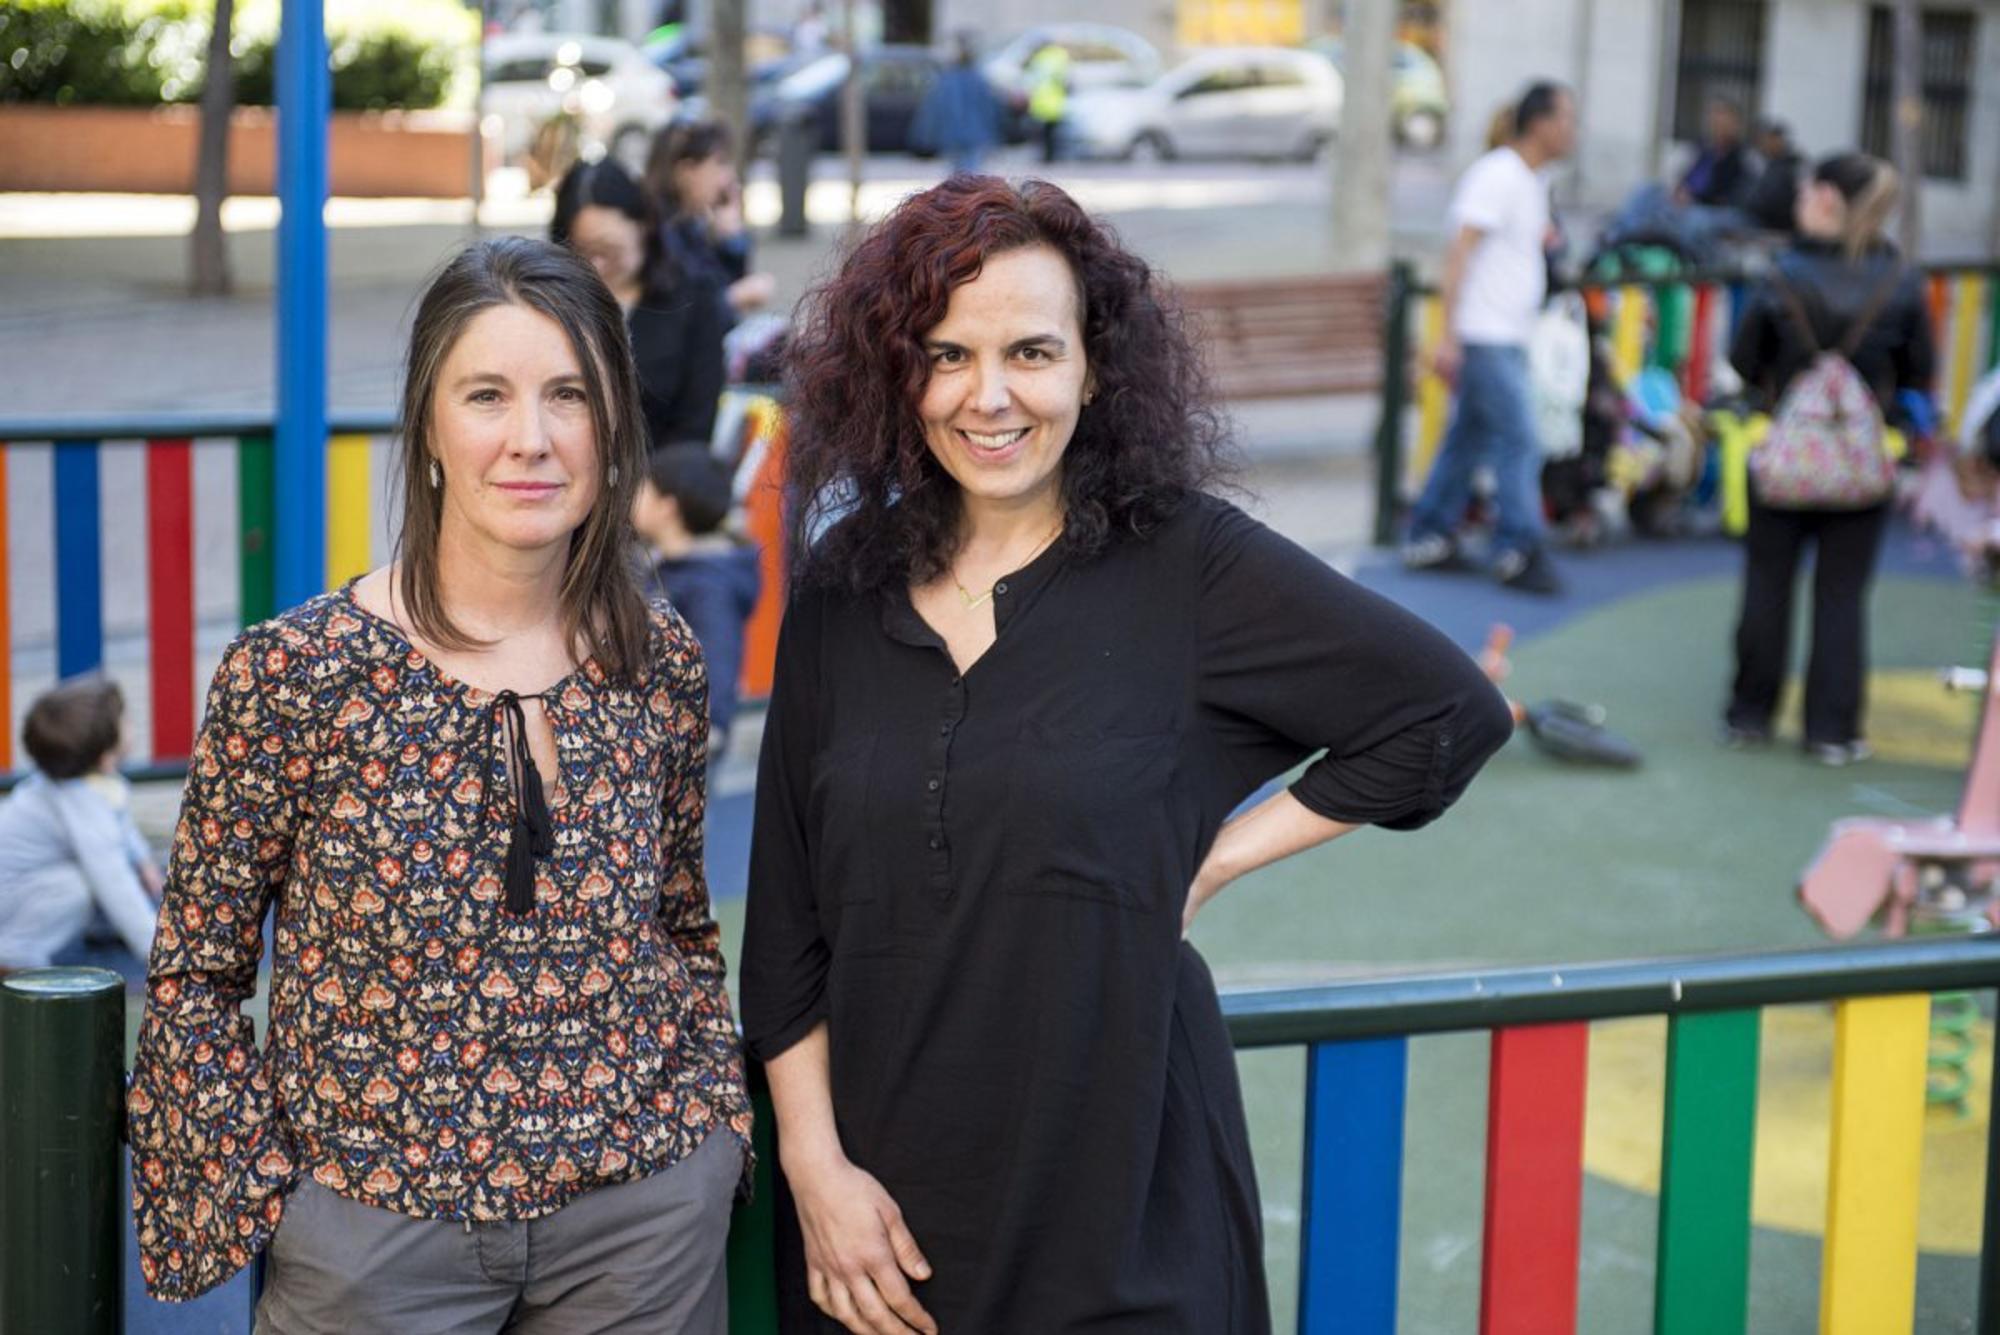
x=500, y=1087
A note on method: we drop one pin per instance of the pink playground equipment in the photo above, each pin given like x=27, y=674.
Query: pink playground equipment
x=1936, y=874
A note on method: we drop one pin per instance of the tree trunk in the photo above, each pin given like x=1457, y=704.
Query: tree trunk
x=1906, y=122
x=209, y=249
x=728, y=88
x=853, y=113
x=1366, y=141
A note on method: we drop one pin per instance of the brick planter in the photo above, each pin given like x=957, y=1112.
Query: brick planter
x=151, y=150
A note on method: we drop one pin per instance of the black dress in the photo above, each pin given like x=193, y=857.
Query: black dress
x=978, y=882
x=677, y=348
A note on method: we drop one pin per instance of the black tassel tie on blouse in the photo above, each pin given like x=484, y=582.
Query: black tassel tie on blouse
x=533, y=832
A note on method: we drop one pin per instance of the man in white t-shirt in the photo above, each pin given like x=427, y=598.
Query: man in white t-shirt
x=1495, y=276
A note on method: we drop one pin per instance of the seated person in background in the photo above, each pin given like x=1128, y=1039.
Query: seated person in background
x=1773, y=201
x=711, y=578
x=1721, y=173
x=1706, y=207
x=68, y=845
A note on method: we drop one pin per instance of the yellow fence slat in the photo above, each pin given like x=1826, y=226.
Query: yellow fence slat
x=1628, y=334
x=347, y=517
x=1868, y=1281
x=1433, y=395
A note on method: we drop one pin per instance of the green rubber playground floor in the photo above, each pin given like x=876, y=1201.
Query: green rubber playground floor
x=1697, y=851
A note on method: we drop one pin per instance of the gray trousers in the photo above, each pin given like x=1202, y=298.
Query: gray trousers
x=637, y=1258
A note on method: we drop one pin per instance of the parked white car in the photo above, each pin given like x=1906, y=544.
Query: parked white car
x=1100, y=56
x=1260, y=102
x=618, y=97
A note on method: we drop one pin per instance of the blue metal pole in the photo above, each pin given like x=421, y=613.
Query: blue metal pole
x=304, y=95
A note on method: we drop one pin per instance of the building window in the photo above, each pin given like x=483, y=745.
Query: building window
x=1721, y=55
x=1949, y=44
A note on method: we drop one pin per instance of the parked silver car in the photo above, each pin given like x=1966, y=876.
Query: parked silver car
x=1260, y=102
x=1100, y=56
x=616, y=97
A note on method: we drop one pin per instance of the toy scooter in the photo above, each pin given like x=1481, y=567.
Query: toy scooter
x=1563, y=729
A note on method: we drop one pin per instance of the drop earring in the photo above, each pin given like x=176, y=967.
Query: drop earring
x=437, y=477
x=611, y=475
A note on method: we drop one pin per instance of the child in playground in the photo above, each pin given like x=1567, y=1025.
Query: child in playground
x=710, y=576
x=68, y=847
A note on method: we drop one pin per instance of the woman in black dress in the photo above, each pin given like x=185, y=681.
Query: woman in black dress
x=1029, y=672
x=674, y=313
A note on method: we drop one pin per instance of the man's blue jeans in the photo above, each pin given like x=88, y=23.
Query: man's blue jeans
x=1492, y=423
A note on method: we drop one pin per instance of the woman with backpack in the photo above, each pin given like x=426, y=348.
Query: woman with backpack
x=1828, y=342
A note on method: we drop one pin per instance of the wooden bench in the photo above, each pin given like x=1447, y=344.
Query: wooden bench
x=1271, y=338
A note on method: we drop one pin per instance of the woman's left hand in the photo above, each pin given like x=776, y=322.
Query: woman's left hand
x=1205, y=888
x=1274, y=829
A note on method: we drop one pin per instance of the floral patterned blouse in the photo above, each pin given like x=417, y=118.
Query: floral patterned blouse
x=428, y=1052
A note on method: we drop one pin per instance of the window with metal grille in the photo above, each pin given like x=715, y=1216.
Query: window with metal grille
x=1949, y=42
x=1721, y=55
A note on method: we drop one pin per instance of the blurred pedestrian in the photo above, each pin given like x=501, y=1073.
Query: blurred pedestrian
x=1495, y=278
x=959, y=117
x=501, y=1087
x=709, y=576
x=69, y=850
x=1048, y=96
x=809, y=33
x=674, y=313
x=1030, y=671
x=1841, y=291
x=692, y=178
x=1772, y=203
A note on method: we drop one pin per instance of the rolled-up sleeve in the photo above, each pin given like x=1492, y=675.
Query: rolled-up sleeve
x=1297, y=660
x=785, y=952
x=211, y=1156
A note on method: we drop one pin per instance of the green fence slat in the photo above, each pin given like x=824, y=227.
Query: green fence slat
x=256, y=513
x=1992, y=318
x=1702, y=1280
x=1673, y=308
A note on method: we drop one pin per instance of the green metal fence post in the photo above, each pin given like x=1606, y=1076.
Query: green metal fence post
x=1395, y=398
x=753, y=1229
x=62, y=1101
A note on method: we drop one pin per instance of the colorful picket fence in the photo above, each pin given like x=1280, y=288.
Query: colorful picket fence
x=237, y=489
x=1357, y=1036
x=1682, y=324
x=77, y=532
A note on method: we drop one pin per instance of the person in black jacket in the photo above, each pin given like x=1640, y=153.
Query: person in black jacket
x=692, y=180
x=674, y=314
x=1773, y=201
x=1842, y=271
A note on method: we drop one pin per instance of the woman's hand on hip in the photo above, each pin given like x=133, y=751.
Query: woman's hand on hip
x=860, y=1255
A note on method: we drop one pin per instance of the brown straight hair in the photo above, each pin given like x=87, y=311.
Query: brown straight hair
x=601, y=605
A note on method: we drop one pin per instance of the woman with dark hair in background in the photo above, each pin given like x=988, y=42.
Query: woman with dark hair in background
x=1030, y=670
x=674, y=313
x=1841, y=287
x=501, y=1088
x=691, y=176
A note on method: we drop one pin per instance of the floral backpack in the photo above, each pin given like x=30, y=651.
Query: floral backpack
x=1825, y=449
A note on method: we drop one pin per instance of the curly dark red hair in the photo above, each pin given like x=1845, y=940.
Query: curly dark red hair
x=856, y=370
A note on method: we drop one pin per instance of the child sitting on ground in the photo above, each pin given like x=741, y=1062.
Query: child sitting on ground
x=68, y=846
x=711, y=578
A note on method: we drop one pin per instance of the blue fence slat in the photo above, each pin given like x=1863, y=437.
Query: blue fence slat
x=79, y=561
x=1351, y=1215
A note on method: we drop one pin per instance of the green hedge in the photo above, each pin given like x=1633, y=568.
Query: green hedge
x=409, y=54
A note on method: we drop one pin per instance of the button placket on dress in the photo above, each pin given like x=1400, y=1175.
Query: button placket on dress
x=937, y=845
